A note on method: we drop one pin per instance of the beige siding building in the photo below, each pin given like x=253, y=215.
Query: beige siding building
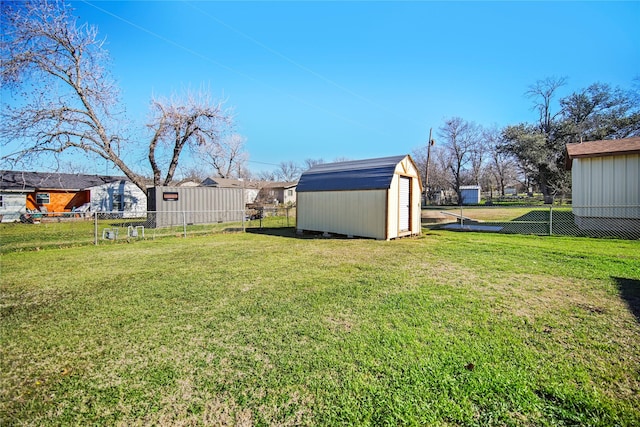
x=605, y=183
x=376, y=198
x=172, y=206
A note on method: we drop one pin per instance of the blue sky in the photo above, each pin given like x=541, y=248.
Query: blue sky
x=361, y=79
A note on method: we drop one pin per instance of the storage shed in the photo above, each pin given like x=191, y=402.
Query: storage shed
x=605, y=178
x=470, y=194
x=376, y=198
x=171, y=206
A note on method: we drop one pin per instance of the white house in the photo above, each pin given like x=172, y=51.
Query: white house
x=118, y=196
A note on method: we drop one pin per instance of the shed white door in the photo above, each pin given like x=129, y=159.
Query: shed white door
x=405, y=187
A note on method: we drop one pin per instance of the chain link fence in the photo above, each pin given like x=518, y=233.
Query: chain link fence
x=622, y=222
x=35, y=231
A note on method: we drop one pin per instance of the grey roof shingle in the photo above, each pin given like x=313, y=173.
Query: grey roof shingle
x=368, y=174
x=31, y=181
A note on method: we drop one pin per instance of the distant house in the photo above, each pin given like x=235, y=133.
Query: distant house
x=188, y=182
x=258, y=192
x=250, y=188
x=605, y=179
x=276, y=193
x=22, y=191
x=377, y=198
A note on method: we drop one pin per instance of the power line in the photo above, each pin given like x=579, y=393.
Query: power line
x=261, y=163
x=298, y=65
x=226, y=67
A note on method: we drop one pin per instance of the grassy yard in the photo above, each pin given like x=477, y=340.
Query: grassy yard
x=61, y=234
x=254, y=329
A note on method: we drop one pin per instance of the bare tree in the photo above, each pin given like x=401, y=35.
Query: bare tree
x=478, y=158
x=179, y=122
x=309, y=163
x=266, y=175
x=227, y=156
x=542, y=92
x=194, y=173
x=502, y=166
x=66, y=99
x=459, y=138
x=341, y=159
x=288, y=171
x=539, y=147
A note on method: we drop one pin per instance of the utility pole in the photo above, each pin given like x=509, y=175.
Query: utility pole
x=426, y=173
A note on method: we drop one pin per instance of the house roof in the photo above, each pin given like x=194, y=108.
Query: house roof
x=368, y=174
x=228, y=183
x=607, y=147
x=32, y=181
x=236, y=183
x=279, y=184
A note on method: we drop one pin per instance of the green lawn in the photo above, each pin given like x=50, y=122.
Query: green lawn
x=255, y=329
x=51, y=233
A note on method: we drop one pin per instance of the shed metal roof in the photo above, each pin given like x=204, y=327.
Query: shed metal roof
x=31, y=181
x=368, y=174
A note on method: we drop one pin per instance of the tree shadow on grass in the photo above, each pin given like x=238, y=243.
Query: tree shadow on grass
x=630, y=293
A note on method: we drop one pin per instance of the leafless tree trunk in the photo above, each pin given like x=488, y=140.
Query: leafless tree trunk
x=542, y=92
x=266, y=175
x=44, y=47
x=226, y=156
x=459, y=139
x=501, y=164
x=309, y=163
x=478, y=158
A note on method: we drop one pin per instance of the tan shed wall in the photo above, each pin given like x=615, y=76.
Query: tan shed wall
x=606, y=186
x=355, y=213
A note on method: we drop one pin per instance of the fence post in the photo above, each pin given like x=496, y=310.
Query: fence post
x=184, y=223
x=461, y=217
x=551, y=219
x=95, y=228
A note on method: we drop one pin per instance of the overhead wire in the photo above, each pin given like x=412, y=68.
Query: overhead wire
x=230, y=69
x=297, y=64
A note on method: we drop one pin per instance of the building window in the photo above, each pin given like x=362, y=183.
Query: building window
x=289, y=193
x=118, y=202
x=42, y=198
x=1, y=201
